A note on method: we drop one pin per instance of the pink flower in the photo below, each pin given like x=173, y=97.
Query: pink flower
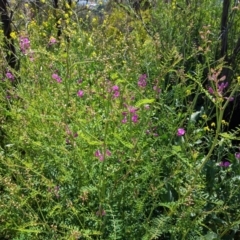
x=56, y=77
x=100, y=156
x=180, y=132
x=52, y=41
x=142, y=81
x=124, y=120
x=98, y=153
x=210, y=90
x=229, y=99
x=135, y=118
x=237, y=155
x=224, y=164
x=24, y=44
x=132, y=109
x=115, y=88
x=9, y=76
x=116, y=94
x=156, y=89
x=80, y=93
x=222, y=86
x=108, y=153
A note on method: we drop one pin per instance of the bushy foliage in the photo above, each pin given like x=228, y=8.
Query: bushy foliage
x=115, y=128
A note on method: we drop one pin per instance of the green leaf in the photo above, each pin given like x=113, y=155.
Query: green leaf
x=125, y=143
x=211, y=236
x=177, y=151
x=114, y=76
x=89, y=140
x=227, y=136
x=144, y=101
x=118, y=81
x=176, y=148
x=169, y=205
x=55, y=209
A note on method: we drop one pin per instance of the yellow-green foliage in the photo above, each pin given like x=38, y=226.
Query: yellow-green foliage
x=120, y=24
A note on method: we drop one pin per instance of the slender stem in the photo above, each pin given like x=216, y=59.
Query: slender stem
x=219, y=114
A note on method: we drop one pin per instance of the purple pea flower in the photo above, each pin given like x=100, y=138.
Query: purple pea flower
x=56, y=77
x=116, y=94
x=135, y=118
x=237, y=155
x=24, y=44
x=156, y=89
x=180, y=132
x=222, y=86
x=80, y=93
x=224, y=164
x=132, y=109
x=100, y=156
x=9, y=75
x=142, y=81
x=124, y=120
x=98, y=153
x=230, y=99
x=115, y=90
x=210, y=90
x=108, y=153
x=52, y=41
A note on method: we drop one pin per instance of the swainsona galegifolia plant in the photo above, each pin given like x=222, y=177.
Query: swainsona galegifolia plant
x=117, y=155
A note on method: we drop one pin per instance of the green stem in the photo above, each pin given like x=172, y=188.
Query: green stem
x=67, y=77
x=219, y=114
